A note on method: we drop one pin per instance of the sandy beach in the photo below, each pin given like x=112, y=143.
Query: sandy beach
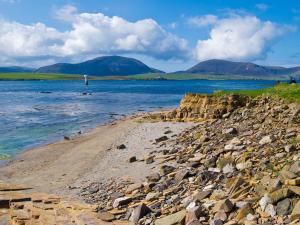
x=63, y=167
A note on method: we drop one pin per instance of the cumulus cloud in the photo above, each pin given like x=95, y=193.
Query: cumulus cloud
x=239, y=38
x=202, y=21
x=91, y=34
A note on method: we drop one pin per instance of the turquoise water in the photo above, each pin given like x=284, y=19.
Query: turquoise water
x=33, y=113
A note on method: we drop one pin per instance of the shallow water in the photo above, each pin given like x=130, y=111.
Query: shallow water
x=38, y=112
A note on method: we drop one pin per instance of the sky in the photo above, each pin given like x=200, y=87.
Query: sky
x=170, y=35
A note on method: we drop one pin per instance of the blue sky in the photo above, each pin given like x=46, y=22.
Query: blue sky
x=166, y=34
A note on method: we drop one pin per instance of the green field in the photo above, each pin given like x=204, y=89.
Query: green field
x=149, y=76
x=289, y=92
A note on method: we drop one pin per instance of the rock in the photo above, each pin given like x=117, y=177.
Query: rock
x=132, y=159
x=243, y=212
x=106, y=216
x=295, y=167
x=267, y=140
x=154, y=177
x=270, y=210
x=200, y=195
x=160, y=139
x=121, y=147
x=221, y=215
x=230, y=131
x=263, y=202
x=243, y=166
x=229, y=168
x=296, y=211
x=180, y=175
x=283, y=207
x=133, y=187
x=227, y=206
x=173, y=219
x=121, y=201
x=290, y=148
x=165, y=169
x=139, y=212
x=152, y=196
x=216, y=222
x=149, y=160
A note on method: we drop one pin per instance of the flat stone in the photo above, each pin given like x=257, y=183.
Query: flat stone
x=121, y=201
x=139, y=212
x=173, y=219
x=106, y=216
x=267, y=140
x=200, y=195
x=154, y=177
x=152, y=196
x=180, y=175
x=160, y=139
x=296, y=211
x=133, y=187
x=283, y=207
x=295, y=167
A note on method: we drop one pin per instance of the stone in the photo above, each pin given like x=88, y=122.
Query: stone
x=180, y=175
x=121, y=147
x=278, y=195
x=132, y=159
x=243, y=166
x=200, y=195
x=121, y=201
x=227, y=206
x=263, y=202
x=290, y=148
x=229, y=168
x=230, y=131
x=139, y=212
x=243, y=212
x=295, y=167
x=296, y=211
x=133, y=187
x=152, y=196
x=154, y=177
x=160, y=139
x=173, y=219
x=165, y=169
x=267, y=140
x=149, y=160
x=270, y=210
x=221, y=215
x=106, y=216
x=283, y=207
x=216, y=222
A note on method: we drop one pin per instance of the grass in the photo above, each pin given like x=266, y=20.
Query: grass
x=148, y=76
x=38, y=76
x=289, y=92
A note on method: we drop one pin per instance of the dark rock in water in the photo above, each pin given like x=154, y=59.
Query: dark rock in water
x=45, y=92
x=122, y=146
x=84, y=93
x=67, y=138
x=163, y=138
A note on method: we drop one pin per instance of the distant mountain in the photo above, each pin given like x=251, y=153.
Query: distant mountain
x=102, y=66
x=15, y=69
x=223, y=67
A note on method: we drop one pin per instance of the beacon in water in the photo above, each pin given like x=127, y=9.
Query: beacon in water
x=86, y=81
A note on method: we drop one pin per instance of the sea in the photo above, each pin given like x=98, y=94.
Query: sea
x=34, y=113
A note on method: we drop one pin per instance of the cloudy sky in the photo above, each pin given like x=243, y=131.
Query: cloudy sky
x=165, y=34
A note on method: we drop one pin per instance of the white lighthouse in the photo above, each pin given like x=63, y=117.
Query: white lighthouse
x=86, y=81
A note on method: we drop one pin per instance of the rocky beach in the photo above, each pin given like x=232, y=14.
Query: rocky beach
x=217, y=159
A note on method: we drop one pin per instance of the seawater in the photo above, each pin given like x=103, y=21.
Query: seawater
x=33, y=113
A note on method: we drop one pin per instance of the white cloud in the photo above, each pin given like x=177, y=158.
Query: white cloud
x=202, y=21
x=91, y=34
x=239, y=38
x=262, y=6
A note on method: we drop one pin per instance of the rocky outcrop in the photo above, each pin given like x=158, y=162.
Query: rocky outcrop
x=242, y=168
x=200, y=107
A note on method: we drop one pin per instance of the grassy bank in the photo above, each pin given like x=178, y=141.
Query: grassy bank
x=289, y=92
x=149, y=76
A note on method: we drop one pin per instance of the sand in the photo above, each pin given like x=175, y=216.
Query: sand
x=63, y=167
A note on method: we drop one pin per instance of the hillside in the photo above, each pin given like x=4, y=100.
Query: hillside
x=223, y=67
x=102, y=66
x=15, y=69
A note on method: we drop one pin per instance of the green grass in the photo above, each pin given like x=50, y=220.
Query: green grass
x=148, y=76
x=38, y=76
x=289, y=92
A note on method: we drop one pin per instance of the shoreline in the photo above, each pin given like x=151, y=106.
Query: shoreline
x=84, y=158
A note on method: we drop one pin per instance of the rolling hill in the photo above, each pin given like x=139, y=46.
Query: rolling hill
x=15, y=69
x=223, y=67
x=102, y=66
